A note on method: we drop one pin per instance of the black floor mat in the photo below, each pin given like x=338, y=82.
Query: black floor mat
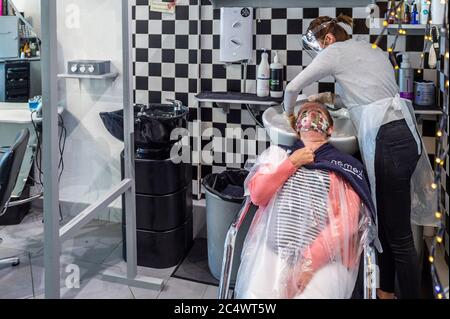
x=195, y=266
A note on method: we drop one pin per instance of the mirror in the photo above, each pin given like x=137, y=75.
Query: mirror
x=20, y=65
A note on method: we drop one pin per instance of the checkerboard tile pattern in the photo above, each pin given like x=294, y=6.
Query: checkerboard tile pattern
x=177, y=56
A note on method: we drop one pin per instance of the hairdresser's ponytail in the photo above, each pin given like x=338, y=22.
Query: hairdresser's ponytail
x=345, y=19
x=332, y=27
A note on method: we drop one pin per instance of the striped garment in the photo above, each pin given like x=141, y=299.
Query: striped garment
x=300, y=212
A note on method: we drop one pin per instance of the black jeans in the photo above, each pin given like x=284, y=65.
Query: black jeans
x=395, y=160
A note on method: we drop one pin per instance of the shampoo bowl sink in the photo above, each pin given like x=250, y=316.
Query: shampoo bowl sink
x=280, y=133
x=153, y=124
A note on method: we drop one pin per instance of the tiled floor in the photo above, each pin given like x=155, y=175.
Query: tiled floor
x=96, y=248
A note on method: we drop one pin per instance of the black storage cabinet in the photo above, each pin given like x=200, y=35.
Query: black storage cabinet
x=163, y=212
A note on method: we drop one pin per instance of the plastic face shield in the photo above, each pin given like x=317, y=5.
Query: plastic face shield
x=309, y=41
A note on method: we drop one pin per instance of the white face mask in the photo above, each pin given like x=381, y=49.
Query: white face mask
x=312, y=120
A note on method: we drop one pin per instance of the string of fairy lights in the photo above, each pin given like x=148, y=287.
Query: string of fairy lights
x=442, y=151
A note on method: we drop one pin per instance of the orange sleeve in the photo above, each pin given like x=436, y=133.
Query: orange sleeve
x=262, y=187
x=343, y=224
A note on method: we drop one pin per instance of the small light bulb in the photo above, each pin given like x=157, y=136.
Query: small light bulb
x=428, y=2
x=441, y=163
x=390, y=50
x=392, y=13
x=422, y=55
x=438, y=160
x=439, y=133
x=446, y=55
x=438, y=215
x=446, y=84
x=396, y=67
x=434, y=186
x=430, y=22
x=385, y=23
x=439, y=239
x=431, y=259
x=374, y=46
x=439, y=296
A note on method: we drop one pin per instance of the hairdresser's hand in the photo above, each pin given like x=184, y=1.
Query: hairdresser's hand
x=291, y=120
x=302, y=157
x=324, y=98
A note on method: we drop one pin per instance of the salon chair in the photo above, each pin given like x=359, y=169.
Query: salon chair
x=11, y=159
x=367, y=276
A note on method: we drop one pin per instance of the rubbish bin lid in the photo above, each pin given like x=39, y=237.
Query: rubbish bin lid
x=228, y=185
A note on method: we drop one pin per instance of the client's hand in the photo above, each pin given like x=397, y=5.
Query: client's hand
x=298, y=281
x=304, y=279
x=302, y=157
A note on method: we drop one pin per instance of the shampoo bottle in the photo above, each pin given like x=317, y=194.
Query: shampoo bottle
x=263, y=77
x=437, y=12
x=406, y=18
x=424, y=11
x=406, y=78
x=414, y=14
x=276, y=78
x=390, y=12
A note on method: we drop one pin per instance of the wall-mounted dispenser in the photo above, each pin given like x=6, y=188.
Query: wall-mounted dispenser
x=236, y=34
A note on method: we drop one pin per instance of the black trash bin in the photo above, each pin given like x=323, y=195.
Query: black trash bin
x=224, y=194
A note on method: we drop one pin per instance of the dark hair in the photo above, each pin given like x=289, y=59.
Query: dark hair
x=309, y=105
x=333, y=27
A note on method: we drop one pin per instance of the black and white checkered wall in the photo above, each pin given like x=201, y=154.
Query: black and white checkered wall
x=177, y=56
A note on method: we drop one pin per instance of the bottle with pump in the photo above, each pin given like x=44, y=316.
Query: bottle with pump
x=406, y=78
x=276, y=78
x=263, y=76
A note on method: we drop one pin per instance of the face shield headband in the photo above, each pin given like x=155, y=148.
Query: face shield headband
x=312, y=120
x=309, y=41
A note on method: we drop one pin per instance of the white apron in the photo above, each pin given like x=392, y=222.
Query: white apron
x=368, y=119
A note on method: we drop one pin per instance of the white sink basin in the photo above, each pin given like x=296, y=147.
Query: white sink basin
x=280, y=133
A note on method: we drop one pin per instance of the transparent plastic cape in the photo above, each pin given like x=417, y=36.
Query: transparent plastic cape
x=307, y=242
x=368, y=119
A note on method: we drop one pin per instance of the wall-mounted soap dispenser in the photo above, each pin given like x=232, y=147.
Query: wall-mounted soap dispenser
x=236, y=34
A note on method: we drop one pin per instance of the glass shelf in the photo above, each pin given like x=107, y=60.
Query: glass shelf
x=236, y=98
x=411, y=29
x=290, y=3
x=88, y=76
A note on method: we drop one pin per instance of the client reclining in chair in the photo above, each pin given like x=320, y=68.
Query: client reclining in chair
x=314, y=219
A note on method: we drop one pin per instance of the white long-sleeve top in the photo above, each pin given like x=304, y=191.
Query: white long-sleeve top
x=363, y=74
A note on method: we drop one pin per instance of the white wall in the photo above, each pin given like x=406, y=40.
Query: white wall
x=32, y=9
x=89, y=30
